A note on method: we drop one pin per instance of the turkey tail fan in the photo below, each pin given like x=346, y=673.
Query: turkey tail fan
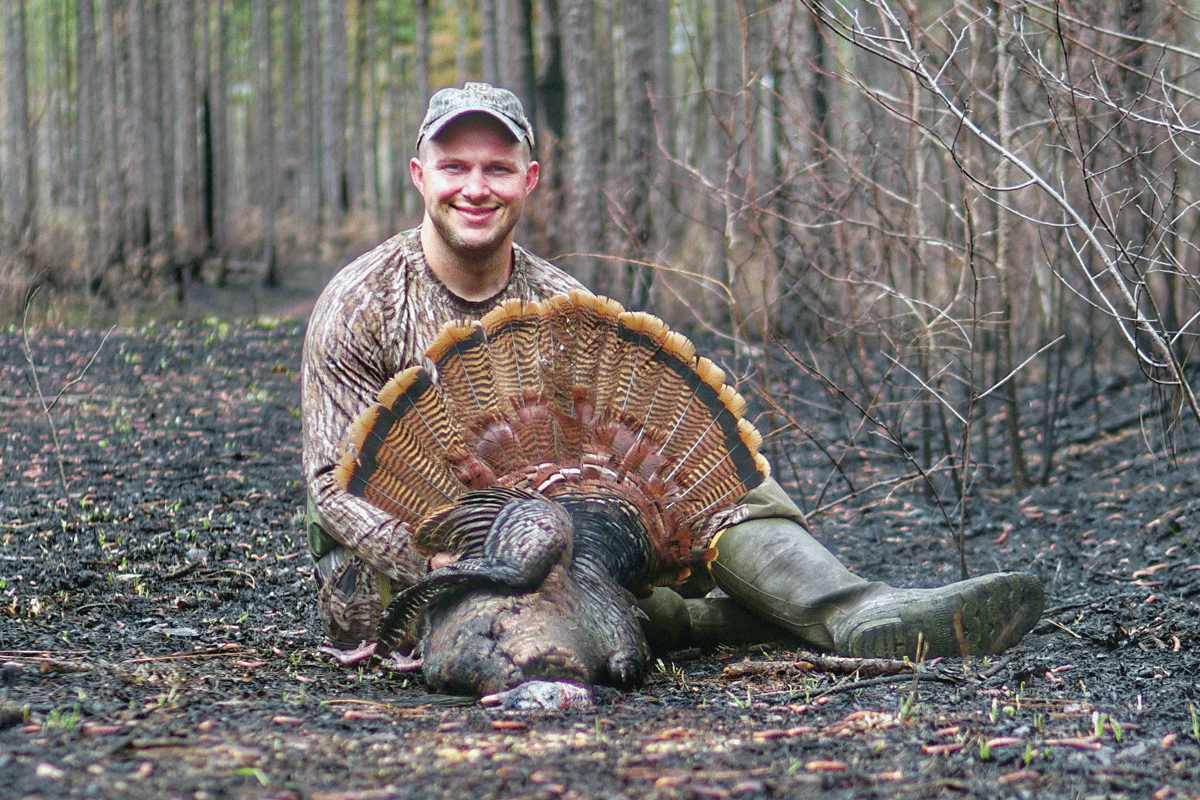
x=682, y=402
x=720, y=448
x=569, y=395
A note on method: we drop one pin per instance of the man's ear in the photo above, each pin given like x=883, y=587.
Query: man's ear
x=531, y=176
x=416, y=173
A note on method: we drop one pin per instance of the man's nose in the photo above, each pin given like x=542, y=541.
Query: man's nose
x=475, y=186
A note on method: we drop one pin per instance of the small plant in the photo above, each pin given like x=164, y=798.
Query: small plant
x=1098, y=721
x=60, y=720
x=738, y=702
x=256, y=773
x=908, y=705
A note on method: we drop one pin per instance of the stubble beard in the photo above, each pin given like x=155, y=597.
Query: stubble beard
x=471, y=250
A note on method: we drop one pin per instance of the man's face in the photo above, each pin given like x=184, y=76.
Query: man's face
x=474, y=178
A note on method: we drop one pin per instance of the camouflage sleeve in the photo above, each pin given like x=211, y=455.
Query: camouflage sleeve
x=342, y=369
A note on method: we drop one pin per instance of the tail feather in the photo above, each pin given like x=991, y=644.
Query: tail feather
x=572, y=392
x=528, y=397
x=579, y=341
x=404, y=446
x=511, y=331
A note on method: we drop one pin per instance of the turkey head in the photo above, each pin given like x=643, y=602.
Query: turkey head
x=568, y=456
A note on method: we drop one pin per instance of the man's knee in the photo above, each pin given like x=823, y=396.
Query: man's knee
x=351, y=595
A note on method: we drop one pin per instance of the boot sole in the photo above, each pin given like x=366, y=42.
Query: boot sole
x=980, y=616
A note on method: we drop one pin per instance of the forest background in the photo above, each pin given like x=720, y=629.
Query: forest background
x=952, y=219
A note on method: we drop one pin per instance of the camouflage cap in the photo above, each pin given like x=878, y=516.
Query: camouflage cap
x=449, y=104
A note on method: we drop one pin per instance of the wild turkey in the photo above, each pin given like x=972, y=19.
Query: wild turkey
x=568, y=454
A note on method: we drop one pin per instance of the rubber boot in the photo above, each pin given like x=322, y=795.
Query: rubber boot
x=672, y=622
x=776, y=568
x=665, y=620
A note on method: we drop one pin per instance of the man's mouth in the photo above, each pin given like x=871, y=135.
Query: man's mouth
x=476, y=214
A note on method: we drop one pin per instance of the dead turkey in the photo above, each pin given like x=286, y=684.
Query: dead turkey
x=567, y=456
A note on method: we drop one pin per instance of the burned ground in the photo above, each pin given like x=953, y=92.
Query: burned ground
x=158, y=635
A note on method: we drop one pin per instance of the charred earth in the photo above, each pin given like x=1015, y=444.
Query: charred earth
x=158, y=636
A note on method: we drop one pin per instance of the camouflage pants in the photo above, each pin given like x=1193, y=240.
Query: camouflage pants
x=351, y=594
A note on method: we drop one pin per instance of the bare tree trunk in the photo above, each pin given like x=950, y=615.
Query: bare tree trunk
x=310, y=120
x=507, y=57
x=112, y=200
x=150, y=216
x=57, y=135
x=139, y=200
x=18, y=189
x=219, y=114
x=190, y=244
x=287, y=137
x=1004, y=70
x=489, y=34
x=371, y=164
x=667, y=227
x=333, y=118
x=639, y=150
x=721, y=88
x=423, y=87
x=155, y=114
x=264, y=194
x=461, y=21
x=204, y=142
x=551, y=84
x=550, y=123
x=525, y=82
x=396, y=190
x=89, y=165
x=355, y=184
x=585, y=192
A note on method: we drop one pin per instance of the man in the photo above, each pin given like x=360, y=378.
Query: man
x=474, y=170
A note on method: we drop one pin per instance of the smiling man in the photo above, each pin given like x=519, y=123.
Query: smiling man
x=377, y=317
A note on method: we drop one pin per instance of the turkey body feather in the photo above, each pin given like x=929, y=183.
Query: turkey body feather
x=567, y=433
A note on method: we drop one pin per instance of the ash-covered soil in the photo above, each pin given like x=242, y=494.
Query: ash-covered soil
x=158, y=636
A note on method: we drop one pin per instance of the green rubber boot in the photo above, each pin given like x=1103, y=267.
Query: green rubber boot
x=672, y=622
x=776, y=568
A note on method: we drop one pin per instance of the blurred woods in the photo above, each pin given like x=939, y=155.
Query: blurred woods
x=950, y=221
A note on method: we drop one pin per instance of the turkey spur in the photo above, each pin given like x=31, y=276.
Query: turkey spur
x=562, y=459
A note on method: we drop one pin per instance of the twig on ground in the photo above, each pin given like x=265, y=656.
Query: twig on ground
x=48, y=407
x=851, y=686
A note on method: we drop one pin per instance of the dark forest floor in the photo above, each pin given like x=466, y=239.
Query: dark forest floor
x=158, y=636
